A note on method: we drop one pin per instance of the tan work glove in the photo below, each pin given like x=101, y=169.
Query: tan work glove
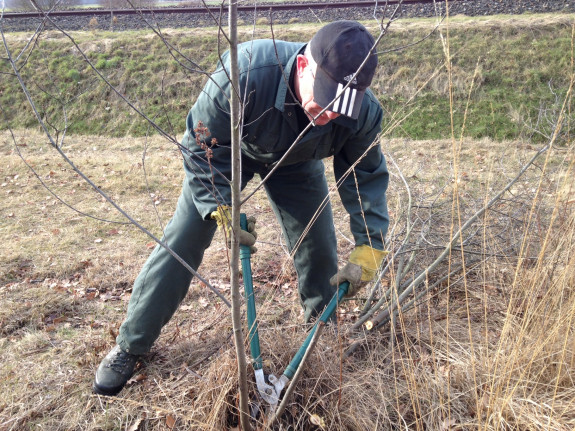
x=223, y=216
x=361, y=268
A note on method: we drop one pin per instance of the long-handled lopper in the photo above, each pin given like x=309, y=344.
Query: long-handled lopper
x=271, y=394
x=267, y=392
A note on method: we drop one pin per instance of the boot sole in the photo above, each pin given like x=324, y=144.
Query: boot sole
x=105, y=391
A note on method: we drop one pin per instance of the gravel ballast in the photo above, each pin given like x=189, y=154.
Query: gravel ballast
x=178, y=20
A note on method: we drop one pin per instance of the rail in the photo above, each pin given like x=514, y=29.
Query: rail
x=204, y=9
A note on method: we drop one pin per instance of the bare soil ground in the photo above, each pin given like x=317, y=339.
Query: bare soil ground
x=493, y=351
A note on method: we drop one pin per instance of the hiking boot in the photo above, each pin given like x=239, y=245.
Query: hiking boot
x=114, y=372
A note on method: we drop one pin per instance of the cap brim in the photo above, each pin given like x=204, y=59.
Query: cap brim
x=326, y=91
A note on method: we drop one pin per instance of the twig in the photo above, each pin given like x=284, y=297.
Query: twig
x=449, y=247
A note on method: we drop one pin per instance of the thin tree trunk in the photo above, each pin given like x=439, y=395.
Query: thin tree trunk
x=235, y=109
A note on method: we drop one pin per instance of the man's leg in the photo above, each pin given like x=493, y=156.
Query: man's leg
x=163, y=282
x=299, y=196
x=158, y=291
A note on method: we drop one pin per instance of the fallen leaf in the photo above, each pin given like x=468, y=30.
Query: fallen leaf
x=137, y=378
x=444, y=369
x=317, y=420
x=447, y=424
x=136, y=425
x=113, y=333
x=92, y=295
x=170, y=421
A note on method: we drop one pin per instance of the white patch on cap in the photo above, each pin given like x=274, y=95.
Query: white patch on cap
x=352, y=101
x=348, y=101
x=348, y=78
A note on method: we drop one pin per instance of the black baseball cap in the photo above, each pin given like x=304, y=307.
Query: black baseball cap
x=339, y=49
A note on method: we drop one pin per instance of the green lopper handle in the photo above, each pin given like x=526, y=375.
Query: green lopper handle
x=250, y=300
x=327, y=313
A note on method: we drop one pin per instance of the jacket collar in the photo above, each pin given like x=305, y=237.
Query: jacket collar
x=288, y=71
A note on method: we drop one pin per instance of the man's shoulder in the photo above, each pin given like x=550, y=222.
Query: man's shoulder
x=371, y=107
x=370, y=99
x=270, y=44
x=266, y=52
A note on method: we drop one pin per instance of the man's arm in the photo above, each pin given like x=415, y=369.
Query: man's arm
x=361, y=171
x=363, y=189
x=207, y=139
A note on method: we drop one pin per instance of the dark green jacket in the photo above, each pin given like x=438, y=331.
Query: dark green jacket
x=270, y=127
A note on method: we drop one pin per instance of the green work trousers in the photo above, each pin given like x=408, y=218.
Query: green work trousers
x=298, y=193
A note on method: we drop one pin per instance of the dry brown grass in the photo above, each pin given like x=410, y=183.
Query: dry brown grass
x=494, y=352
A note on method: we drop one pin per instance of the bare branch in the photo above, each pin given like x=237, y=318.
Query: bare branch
x=55, y=145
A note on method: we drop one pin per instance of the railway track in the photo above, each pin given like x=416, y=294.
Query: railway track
x=204, y=9
x=282, y=13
